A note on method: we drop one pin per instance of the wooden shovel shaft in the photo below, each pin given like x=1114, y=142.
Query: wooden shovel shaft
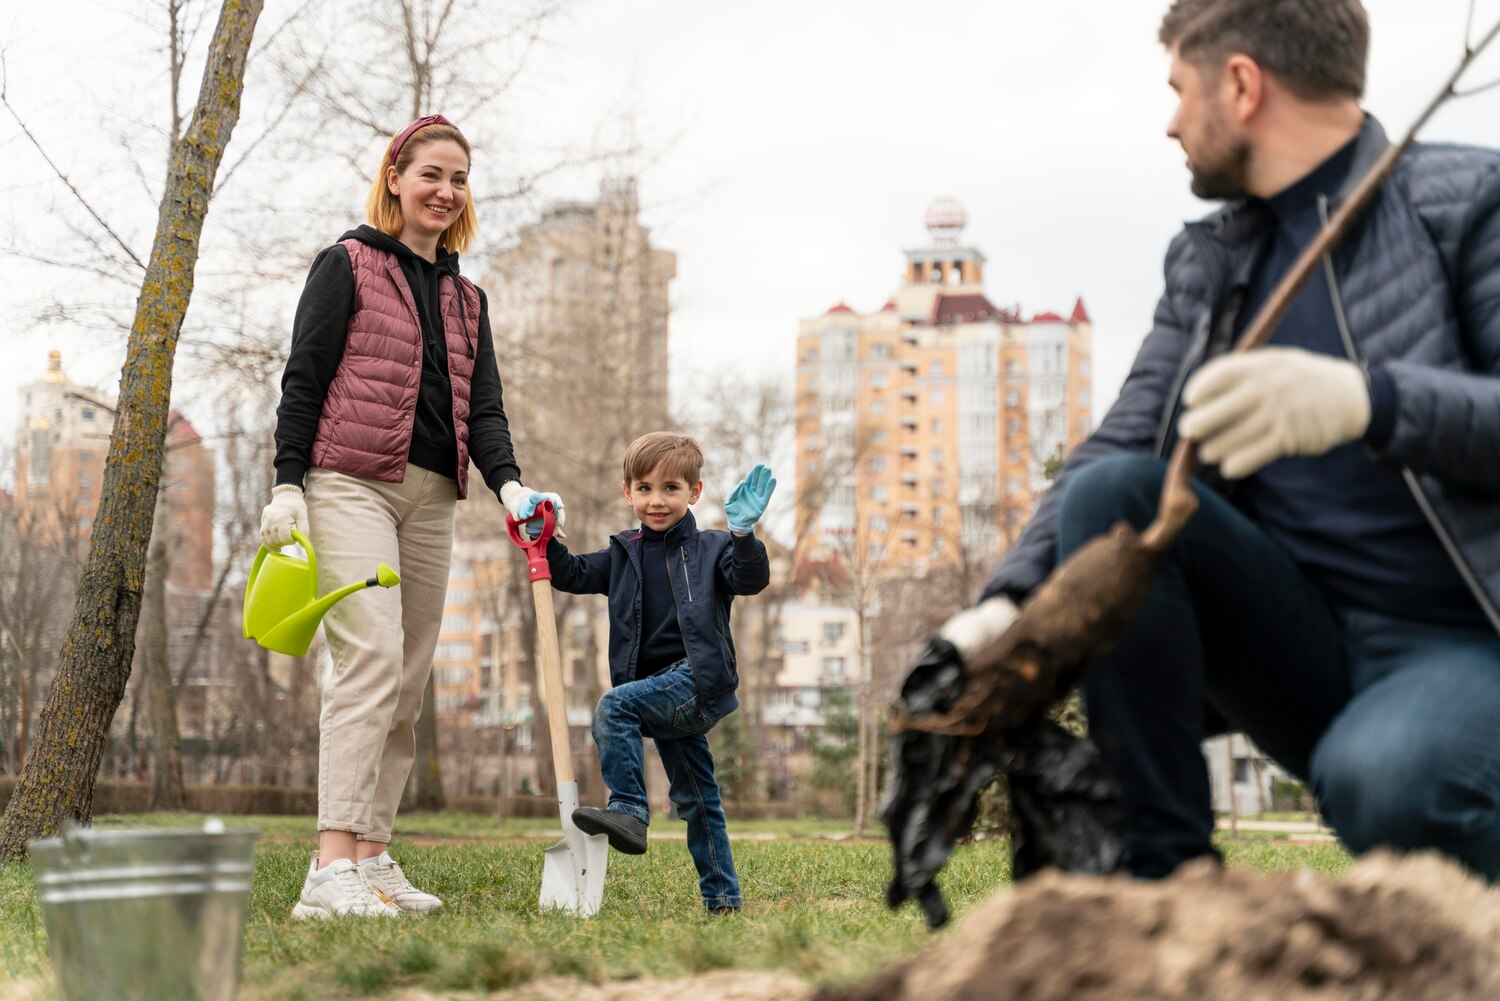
x=549, y=675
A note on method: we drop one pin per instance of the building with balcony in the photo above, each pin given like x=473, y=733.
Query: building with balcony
x=927, y=429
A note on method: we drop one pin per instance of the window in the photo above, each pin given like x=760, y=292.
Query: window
x=794, y=646
x=1241, y=770
x=878, y=493
x=879, y=380
x=877, y=408
x=936, y=397
x=1012, y=398
x=452, y=677
x=937, y=458
x=937, y=516
x=875, y=465
x=832, y=633
x=937, y=425
x=458, y=622
x=86, y=414
x=877, y=550
x=878, y=524
x=833, y=669
x=454, y=650
x=936, y=368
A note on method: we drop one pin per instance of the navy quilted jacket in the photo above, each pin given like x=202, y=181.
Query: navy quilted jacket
x=1417, y=283
x=707, y=569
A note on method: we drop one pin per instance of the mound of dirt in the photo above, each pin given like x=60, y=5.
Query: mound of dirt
x=1417, y=928
x=1414, y=928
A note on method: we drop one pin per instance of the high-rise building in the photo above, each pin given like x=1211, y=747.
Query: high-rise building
x=61, y=447
x=927, y=429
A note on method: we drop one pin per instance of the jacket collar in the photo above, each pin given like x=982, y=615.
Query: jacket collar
x=679, y=534
x=1243, y=219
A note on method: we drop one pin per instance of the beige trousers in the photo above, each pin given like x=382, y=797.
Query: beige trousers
x=381, y=639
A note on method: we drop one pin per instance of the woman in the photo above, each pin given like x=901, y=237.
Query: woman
x=390, y=389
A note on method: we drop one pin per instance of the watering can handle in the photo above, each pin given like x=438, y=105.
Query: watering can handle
x=536, y=549
x=312, y=557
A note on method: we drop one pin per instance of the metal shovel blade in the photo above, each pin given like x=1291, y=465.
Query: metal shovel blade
x=573, y=869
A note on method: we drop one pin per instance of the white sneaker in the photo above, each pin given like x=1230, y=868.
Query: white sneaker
x=340, y=891
x=385, y=877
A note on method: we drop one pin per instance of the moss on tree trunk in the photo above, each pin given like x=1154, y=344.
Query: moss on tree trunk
x=58, y=779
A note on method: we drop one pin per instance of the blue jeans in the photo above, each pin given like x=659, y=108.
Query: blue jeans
x=664, y=707
x=1395, y=723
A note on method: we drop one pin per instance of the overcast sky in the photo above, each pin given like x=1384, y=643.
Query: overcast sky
x=798, y=145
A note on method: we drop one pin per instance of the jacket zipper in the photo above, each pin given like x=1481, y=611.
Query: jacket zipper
x=687, y=581
x=1195, y=350
x=686, y=656
x=1454, y=553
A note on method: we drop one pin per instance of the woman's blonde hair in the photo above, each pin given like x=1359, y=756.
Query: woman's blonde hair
x=383, y=209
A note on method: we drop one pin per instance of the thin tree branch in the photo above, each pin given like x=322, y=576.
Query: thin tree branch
x=5, y=100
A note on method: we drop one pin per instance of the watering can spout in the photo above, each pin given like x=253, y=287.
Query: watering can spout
x=282, y=609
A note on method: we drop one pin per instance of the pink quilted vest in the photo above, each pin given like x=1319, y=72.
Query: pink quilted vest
x=366, y=426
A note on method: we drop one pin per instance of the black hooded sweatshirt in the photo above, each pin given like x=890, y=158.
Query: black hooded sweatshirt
x=319, y=333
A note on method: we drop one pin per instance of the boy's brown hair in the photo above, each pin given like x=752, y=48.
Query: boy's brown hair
x=680, y=453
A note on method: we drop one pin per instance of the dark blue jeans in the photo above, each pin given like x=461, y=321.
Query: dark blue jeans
x=1395, y=723
x=664, y=707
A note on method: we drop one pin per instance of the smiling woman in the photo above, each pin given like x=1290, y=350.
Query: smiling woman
x=390, y=389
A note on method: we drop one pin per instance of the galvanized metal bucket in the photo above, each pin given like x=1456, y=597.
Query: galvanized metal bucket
x=145, y=915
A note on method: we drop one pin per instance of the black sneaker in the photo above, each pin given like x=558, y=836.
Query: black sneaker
x=626, y=834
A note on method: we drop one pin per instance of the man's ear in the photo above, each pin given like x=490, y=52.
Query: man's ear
x=1243, y=85
x=625, y=486
x=693, y=494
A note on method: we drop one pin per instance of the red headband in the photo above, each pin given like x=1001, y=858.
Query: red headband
x=406, y=133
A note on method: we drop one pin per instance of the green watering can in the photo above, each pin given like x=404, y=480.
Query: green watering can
x=282, y=607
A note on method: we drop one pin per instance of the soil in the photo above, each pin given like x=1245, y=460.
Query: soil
x=1415, y=928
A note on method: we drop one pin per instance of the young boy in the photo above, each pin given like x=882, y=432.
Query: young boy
x=671, y=658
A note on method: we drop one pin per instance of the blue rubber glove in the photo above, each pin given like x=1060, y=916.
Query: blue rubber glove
x=747, y=502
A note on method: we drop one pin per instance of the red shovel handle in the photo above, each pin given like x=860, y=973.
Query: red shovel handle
x=536, y=549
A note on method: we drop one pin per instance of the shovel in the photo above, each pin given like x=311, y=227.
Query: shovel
x=572, y=869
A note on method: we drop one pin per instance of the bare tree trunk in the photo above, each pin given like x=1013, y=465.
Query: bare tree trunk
x=58, y=780
x=1234, y=806
x=862, y=759
x=429, y=764
x=166, y=746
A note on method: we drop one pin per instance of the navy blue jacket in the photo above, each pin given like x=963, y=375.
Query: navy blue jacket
x=707, y=569
x=1416, y=290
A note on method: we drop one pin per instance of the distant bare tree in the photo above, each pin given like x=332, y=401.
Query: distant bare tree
x=57, y=780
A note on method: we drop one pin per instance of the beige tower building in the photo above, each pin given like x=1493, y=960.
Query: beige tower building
x=927, y=429
x=63, y=440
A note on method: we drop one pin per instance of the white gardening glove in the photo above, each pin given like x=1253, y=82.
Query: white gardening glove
x=286, y=511
x=974, y=629
x=1247, y=410
x=522, y=503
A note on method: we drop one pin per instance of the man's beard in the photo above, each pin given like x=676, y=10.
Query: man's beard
x=1222, y=176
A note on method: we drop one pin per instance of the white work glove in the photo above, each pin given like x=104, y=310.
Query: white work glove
x=1247, y=410
x=286, y=511
x=522, y=503
x=974, y=629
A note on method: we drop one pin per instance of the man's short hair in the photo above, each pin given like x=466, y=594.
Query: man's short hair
x=1316, y=48
x=679, y=453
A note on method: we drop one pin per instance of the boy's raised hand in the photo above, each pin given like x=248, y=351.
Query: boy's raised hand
x=747, y=502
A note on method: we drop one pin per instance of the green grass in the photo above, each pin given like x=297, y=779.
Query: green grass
x=814, y=909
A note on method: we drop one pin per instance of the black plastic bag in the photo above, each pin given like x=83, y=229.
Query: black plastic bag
x=1065, y=811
